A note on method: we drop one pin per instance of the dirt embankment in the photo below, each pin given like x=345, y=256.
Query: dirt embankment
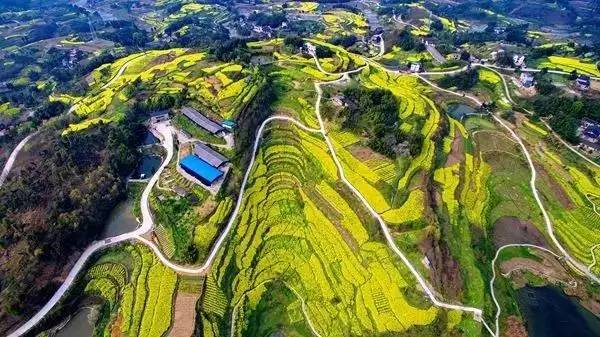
x=510, y=229
x=558, y=191
x=514, y=327
x=553, y=271
x=445, y=271
x=457, y=153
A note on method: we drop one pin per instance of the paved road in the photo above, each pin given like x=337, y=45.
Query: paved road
x=13, y=156
x=145, y=227
x=593, y=256
x=532, y=183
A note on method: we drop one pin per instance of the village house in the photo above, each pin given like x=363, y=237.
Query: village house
x=589, y=134
x=526, y=80
x=416, y=67
x=519, y=60
x=338, y=100
x=159, y=116
x=583, y=82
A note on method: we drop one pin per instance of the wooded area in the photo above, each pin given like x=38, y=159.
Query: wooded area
x=57, y=204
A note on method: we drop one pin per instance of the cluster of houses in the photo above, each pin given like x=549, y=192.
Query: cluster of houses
x=203, y=163
x=582, y=82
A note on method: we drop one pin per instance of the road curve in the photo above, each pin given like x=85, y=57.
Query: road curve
x=13, y=156
x=532, y=183
x=593, y=256
x=98, y=245
x=498, y=309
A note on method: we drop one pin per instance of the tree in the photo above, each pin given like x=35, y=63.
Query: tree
x=465, y=55
x=573, y=75
x=406, y=40
x=437, y=25
x=295, y=42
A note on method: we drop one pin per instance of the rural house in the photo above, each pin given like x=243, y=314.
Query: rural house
x=583, y=82
x=526, y=80
x=589, y=134
x=203, y=121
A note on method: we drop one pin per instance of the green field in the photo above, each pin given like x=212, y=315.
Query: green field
x=137, y=291
x=569, y=64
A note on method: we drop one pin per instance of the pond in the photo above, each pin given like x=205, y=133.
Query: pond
x=121, y=220
x=149, y=139
x=459, y=111
x=146, y=167
x=548, y=312
x=80, y=325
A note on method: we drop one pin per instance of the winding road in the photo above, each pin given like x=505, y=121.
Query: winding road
x=167, y=141
x=13, y=156
x=549, y=228
x=557, y=136
x=144, y=228
x=532, y=183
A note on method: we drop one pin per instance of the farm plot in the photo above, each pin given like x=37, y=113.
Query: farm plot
x=299, y=229
x=343, y=22
x=137, y=290
x=568, y=186
x=569, y=64
x=174, y=74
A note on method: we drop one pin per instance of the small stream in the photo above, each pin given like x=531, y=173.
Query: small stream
x=548, y=312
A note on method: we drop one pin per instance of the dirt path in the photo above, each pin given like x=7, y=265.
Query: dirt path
x=184, y=314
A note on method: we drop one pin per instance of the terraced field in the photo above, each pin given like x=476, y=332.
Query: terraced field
x=569, y=64
x=300, y=226
x=223, y=88
x=305, y=256
x=569, y=185
x=137, y=290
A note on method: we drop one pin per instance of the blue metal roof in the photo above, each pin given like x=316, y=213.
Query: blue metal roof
x=200, y=168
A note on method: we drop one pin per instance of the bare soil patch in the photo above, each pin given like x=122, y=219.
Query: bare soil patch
x=184, y=315
x=457, y=153
x=514, y=327
x=445, y=271
x=364, y=153
x=161, y=59
x=510, y=229
x=548, y=268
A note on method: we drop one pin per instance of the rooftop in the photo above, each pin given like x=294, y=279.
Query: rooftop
x=209, y=155
x=159, y=113
x=202, y=121
x=583, y=79
x=200, y=168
